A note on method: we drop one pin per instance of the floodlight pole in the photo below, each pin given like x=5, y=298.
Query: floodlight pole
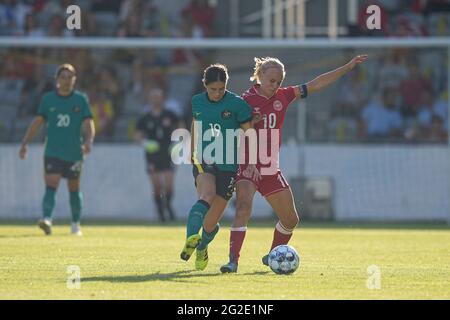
x=332, y=19
x=267, y=18
x=301, y=21
x=290, y=19
x=278, y=19
x=234, y=18
x=352, y=12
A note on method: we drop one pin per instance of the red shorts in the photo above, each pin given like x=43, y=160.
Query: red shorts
x=267, y=185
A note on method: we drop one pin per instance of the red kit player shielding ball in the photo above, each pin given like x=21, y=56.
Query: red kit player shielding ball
x=270, y=102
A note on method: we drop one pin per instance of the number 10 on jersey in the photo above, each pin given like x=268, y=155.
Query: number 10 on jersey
x=270, y=122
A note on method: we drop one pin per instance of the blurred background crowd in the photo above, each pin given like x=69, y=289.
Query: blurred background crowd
x=400, y=95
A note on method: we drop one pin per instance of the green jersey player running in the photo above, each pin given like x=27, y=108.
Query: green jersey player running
x=66, y=112
x=213, y=111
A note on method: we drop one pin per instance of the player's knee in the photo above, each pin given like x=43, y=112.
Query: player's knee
x=207, y=196
x=291, y=222
x=157, y=189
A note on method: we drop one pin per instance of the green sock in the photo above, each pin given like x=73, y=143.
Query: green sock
x=207, y=237
x=196, y=216
x=76, y=202
x=48, y=203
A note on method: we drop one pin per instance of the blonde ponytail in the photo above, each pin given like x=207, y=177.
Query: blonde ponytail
x=262, y=64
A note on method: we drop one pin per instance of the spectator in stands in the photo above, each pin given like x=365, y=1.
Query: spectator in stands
x=12, y=16
x=201, y=15
x=8, y=23
x=57, y=27
x=432, y=118
x=31, y=28
x=13, y=74
x=353, y=91
x=380, y=119
x=147, y=71
x=353, y=95
x=38, y=6
x=110, y=97
x=11, y=66
x=186, y=56
x=409, y=25
x=131, y=26
x=392, y=70
x=32, y=91
x=27, y=62
x=440, y=108
x=431, y=126
x=154, y=75
x=88, y=26
x=419, y=129
x=437, y=132
x=102, y=108
x=49, y=9
x=412, y=87
x=84, y=63
x=108, y=83
x=138, y=19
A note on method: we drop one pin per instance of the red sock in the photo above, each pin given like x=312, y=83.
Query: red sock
x=237, y=236
x=281, y=235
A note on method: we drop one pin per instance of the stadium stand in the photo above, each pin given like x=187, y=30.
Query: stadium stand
x=121, y=75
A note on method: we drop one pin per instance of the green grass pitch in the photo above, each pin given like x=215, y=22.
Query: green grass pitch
x=142, y=262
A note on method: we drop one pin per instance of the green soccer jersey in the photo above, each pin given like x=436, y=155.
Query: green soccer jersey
x=64, y=115
x=215, y=119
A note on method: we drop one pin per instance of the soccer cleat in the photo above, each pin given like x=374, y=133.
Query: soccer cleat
x=76, y=230
x=230, y=267
x=191, y=243
x=201, y=260
x=45, y=225
x=265, y=260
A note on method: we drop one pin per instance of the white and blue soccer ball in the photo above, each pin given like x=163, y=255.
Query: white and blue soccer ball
x=284, y=259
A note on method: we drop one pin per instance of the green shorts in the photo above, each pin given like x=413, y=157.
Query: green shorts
x=67, y=169
x=225, y=180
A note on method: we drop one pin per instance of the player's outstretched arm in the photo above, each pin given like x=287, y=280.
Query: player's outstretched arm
x=89, y=129
x=328, y=78
x=34, y=126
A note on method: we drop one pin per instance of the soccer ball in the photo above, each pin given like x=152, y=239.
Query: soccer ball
x=284, y=259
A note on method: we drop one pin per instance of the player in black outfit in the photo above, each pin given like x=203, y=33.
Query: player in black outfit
x=153, y=131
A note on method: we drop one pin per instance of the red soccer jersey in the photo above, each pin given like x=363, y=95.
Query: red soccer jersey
x=272, y=111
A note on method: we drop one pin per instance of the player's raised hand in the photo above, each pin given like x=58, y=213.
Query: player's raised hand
x=23, y=151
x=358, y=59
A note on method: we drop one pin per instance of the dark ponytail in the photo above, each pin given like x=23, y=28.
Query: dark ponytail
x=215, y=72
